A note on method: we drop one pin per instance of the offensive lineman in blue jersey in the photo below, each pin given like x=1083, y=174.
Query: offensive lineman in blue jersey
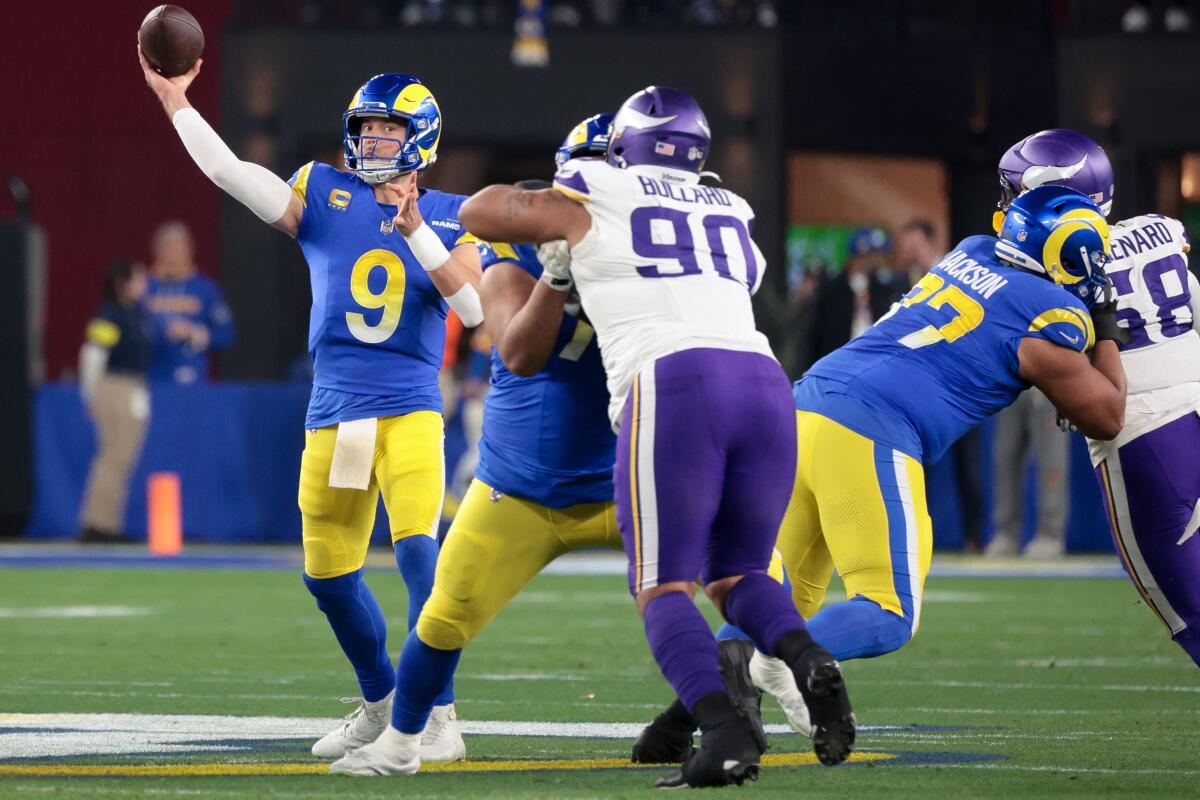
x=543, y=486
x=381, y=280
x=991, y=319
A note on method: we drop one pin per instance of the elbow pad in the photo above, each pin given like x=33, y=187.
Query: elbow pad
x=467, y=305
x=259, y=189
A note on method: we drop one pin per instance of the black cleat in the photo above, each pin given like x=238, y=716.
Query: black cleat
x=728, y=752
x=819, y=679
x=735, y=671
x=666, y=740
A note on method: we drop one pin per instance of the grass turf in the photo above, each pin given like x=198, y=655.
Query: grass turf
x=1014, y=687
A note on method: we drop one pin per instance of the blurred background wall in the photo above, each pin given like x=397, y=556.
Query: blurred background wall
x=826, y=116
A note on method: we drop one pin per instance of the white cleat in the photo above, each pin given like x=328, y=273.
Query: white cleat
x=361, y=727
x=442, y=742
x=393, y=753
x=774, y=677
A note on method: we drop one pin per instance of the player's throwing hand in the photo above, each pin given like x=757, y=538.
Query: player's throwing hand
x=171, y=92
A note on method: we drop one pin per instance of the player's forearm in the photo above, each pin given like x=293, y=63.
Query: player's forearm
x=173, y=101
x=484, y=215
x=449, y=274
x=259, y=189
x=527, y=341
x=501, y=213
x=1106, y=358
x=1105, y=413
x=1094, y=401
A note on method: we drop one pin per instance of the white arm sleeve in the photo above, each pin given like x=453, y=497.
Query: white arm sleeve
x=93, y=360
x=467, y=305
x=259, y=189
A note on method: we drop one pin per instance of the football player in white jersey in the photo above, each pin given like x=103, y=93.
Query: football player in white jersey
x=1150, y=474
x=706, y=442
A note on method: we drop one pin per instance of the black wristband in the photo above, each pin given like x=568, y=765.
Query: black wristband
x=1104, y=318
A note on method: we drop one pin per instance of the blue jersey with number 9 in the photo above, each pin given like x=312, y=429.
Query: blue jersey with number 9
x=377, y=328
x=546, y=437
x=945, y=357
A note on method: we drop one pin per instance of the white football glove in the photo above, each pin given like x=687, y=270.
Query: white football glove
x=556, y=265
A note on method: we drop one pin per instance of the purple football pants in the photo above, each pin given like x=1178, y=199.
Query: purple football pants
x=706, y=459
x=1151, y=488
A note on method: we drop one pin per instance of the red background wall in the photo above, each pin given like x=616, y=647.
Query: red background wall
x=102, y=161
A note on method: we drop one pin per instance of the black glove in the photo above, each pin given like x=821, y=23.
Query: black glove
x=1099, y=295
x=1104, y=318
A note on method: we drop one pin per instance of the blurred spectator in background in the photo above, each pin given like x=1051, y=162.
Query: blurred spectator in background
x=475, y=373
x=112, y=378
x=1027, y=429
x=848, y=304
x=918, y=250
x=191, y=317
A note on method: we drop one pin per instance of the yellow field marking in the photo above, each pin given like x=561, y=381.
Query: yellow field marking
x=315, y=768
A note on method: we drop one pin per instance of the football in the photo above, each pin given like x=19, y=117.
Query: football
x=171, y=39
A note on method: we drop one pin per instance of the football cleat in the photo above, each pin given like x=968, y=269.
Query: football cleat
x=441, y=741
x=773, y=677
x=393, y=753
x=734, y=660
x=819, y=679
x=666, y=740
x=360, y=727
x=729, y=751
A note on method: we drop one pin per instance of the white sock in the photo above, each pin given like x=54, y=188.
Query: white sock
x=394, y=739
x=379, y=705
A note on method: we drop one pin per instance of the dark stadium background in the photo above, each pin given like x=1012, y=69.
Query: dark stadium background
x=952, y=83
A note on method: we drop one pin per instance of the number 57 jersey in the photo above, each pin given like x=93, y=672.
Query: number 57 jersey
x=945, y=357
x=668, y=265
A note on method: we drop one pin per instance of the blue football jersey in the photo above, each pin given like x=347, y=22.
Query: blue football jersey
x=945, y=357
x=377, y=329
x=547, y=437
x=196, y=299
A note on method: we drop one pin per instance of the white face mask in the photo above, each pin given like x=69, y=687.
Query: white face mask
x=859, y=283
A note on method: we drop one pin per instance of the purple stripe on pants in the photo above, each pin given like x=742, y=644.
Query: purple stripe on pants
x=706, y=459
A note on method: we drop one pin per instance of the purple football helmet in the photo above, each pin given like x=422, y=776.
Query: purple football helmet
x=1057, y=157
x=662, y=127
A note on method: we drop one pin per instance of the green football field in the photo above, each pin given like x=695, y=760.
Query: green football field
x=136, y=682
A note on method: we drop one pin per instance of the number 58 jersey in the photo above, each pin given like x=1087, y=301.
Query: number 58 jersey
x=1156, y=297
x=945, y=357
x=668, y=265
x=377, y=328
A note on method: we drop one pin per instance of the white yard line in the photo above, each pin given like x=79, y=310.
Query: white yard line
x=1063, y=769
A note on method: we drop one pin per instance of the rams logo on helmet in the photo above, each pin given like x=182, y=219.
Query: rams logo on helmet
x=1055, y=231
x=392, y=95
x=588, y=138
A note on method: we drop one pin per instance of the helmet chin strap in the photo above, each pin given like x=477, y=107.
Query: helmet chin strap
x=377, y=178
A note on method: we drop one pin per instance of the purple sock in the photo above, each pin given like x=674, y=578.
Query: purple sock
x=683, y=645
x=760, y=606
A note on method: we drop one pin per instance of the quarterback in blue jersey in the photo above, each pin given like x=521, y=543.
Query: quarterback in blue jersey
x=993, y=318
x=386, y=258
x=543, y=486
